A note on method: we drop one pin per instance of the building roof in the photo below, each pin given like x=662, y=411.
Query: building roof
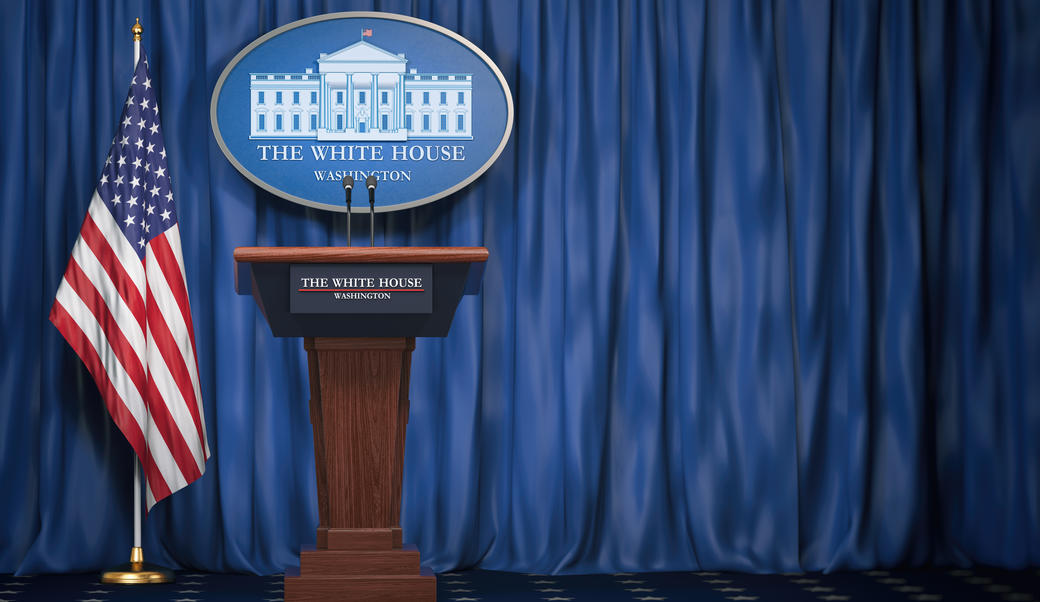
x=362, y=52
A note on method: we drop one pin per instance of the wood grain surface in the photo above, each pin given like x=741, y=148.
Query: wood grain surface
x=359, y=562
x=357, y=539
x=360, y=254
x=360, y=392
x=359, y=412
x=360, y=588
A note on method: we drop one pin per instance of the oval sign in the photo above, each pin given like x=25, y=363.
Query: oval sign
x=415, y=105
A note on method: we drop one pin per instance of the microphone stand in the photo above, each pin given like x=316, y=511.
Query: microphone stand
x=348, y=190
x=370, y=182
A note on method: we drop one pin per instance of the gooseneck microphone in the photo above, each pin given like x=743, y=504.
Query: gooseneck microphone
x=370, y=182
x=348, y=190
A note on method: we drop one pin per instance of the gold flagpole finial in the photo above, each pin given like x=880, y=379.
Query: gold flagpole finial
x=137, y=30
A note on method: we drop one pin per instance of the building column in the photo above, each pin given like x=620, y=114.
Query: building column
x=348, y=107
x=400, y=101
x=326, y=109
x=373, y=108
x=322, y=102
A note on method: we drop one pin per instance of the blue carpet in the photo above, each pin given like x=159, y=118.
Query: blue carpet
x=978, y=584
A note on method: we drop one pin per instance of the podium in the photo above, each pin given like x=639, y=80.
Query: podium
x=359, y=310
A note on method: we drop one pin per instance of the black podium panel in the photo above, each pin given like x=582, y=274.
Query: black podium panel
x=270, y=287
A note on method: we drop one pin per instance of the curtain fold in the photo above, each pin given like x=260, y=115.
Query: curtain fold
x=763, y=293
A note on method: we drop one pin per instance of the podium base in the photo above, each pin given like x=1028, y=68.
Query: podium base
x=360, y=588
x=137, y=572
x=359, y=565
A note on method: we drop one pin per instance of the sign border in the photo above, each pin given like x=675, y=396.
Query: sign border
x=350, y=15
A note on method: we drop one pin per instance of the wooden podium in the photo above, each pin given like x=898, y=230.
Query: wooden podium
x=359, y=366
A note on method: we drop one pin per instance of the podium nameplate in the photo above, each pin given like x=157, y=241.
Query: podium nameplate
x=399, y=288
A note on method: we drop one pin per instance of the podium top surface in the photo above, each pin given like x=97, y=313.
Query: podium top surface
x=360, y=254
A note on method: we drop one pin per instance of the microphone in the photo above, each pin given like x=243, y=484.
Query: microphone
x=370, y=182
x=348, y=190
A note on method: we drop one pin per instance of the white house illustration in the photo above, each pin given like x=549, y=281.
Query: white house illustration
x=361, y=92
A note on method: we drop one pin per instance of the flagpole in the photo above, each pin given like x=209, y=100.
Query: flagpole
x=137, y=571
x=137, y=510
x=137, y=30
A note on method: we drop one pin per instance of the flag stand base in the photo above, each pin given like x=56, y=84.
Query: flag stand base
x=137, y=571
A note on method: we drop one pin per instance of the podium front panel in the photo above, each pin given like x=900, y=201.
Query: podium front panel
x=270, y=287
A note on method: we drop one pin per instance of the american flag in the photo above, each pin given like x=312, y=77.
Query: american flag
x=123, y=303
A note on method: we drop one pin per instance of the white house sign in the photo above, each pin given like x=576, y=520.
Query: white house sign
x=413, y=104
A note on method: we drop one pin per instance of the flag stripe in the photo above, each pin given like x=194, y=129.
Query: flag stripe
x=126, y=390
x=172, y=379
x=167, y=250
x=124, y=253
x=91, y=234
x=174, y=382
x=176, y=351
x=119, y=393
x=188, y=469
x=95, y=275
x=122, y=349
x=86, y=350
x=81, y=344
x=172, y=287
x=173, y=239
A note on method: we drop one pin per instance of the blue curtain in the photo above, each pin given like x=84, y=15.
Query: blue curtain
x=764, y=293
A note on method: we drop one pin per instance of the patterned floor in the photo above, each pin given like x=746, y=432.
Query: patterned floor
x=946, y=585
